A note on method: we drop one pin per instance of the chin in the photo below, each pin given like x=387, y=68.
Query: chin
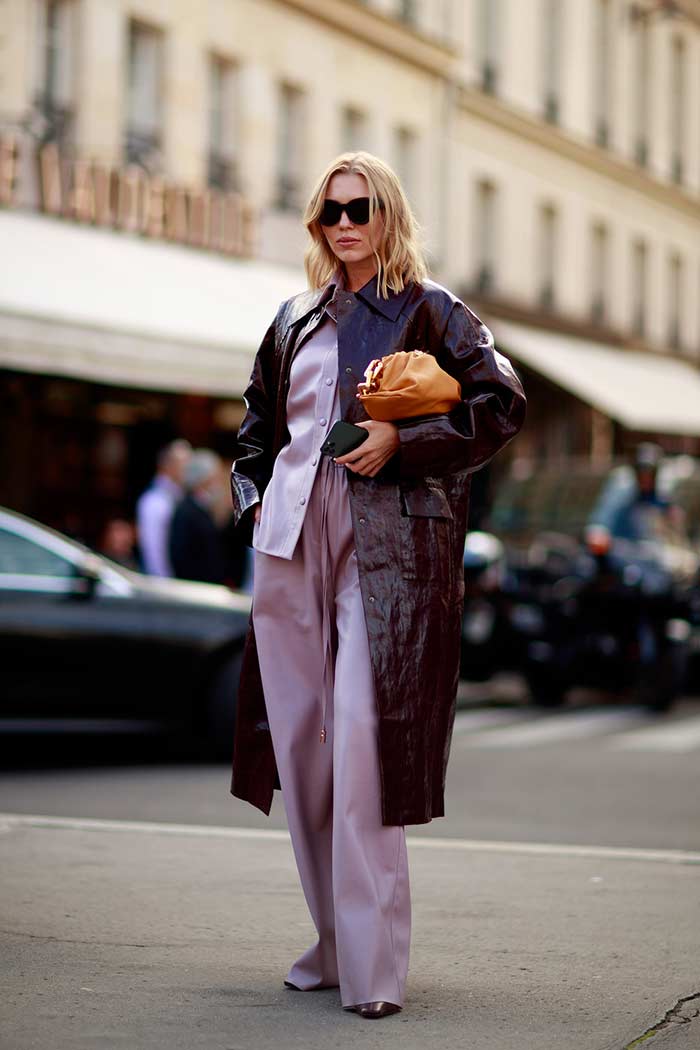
x=354, y=254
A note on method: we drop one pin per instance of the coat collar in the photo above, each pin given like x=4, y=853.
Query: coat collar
x=390, y=307
x=305, y=303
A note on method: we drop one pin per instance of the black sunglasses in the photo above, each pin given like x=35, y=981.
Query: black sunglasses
x=357, y=211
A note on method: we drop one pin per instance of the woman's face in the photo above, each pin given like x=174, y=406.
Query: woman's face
x=352, y=244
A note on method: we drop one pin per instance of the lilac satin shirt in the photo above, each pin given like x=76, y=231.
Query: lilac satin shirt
x=313, y=405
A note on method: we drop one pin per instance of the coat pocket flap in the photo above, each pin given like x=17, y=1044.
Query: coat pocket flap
x=425, y=501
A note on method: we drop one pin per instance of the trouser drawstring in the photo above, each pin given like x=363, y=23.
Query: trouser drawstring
x=325, y=613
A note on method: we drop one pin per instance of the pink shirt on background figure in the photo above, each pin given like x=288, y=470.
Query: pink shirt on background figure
x=154, y=512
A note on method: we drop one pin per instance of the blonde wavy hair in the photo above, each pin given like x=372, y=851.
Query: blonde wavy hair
x=399, y=255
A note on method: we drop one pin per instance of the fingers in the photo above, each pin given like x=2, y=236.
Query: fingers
x=368, y=465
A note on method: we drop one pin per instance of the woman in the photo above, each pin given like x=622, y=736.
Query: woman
x=348, y=686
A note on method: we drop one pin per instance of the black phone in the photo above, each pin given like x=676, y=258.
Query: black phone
x=343, y=437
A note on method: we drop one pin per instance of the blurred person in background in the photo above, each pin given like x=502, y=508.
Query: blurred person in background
x=645, y=512
x=118, y=543
x=197, y=549
x=155, y=507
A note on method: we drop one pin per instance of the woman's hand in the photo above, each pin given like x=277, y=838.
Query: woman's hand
x=372, y=454
x=256, y=512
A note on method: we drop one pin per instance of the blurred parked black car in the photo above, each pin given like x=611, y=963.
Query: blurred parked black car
x=89, y=646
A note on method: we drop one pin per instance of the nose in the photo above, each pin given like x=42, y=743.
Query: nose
x=344, y=222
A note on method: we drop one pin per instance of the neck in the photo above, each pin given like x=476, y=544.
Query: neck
x=358, y=274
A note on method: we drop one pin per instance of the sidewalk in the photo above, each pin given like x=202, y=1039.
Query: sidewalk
x=118, y=935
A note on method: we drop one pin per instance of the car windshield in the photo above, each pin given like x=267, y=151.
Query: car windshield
x=30, y=549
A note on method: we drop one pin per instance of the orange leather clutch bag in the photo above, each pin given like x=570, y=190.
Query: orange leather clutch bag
x=407, y=383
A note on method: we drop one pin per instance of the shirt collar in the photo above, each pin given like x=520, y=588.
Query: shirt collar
x=390, y=307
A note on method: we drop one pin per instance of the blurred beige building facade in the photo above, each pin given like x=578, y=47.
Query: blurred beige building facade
x=551, y=148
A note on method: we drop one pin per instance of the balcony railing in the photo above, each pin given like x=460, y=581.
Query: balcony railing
x=222, y=172
x=551, y=108
x=143, y=149
x=489, y=78
x=55, y=123
x=288, y=192
x=598, y=310
x=641, y=152
x=484, y=283
x=602, y=133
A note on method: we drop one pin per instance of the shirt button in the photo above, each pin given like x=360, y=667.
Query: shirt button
x=349, y=371
x=314, y=461
x=329, y=382
x=323, y=421
x=362, y=521
x=302, y=500
x=371, y=598
x=348, y=301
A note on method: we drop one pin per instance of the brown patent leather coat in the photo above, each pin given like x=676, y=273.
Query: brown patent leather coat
x=409, y=523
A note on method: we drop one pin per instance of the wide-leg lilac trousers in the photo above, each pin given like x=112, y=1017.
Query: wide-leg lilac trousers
x=312, y=643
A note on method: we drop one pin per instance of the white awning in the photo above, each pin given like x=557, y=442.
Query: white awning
x=116, y=308
x=649, y=392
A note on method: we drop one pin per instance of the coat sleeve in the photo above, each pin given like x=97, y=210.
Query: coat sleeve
x=491, y=412
x=252, y=469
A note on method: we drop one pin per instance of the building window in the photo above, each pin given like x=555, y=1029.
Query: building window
x=642, y=70
x=675, y=300
x=677, y=100
x=639, y=287
x=487, y=33
x=548, y=256
x=144, y=97
x=407, y=11
x=602, y=101
x=290, y=147
x=485, y=240
x=599, y=272
x=55, y=86
x=353, y=129
x=552, y=58
x=223, y=124
x=406, y=159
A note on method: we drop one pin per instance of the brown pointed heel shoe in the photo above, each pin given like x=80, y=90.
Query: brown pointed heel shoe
x=374, y=1010
x=288, y=984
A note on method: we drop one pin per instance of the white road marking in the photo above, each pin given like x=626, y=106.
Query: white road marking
x=9, y=821
x=566, y=725
x=681, y=735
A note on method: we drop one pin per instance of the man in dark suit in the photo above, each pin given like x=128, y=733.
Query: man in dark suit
x=196, y=545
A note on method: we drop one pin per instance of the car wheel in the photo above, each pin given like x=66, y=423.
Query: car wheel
x=221, y=709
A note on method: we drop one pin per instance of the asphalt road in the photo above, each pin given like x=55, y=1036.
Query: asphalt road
x=600, y=775
x=557, y=903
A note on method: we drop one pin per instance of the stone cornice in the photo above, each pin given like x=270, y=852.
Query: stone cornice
x=604, y=162
x=389, y=35
x=493, y=309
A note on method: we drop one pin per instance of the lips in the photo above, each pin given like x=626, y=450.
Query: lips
x=347, y=240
